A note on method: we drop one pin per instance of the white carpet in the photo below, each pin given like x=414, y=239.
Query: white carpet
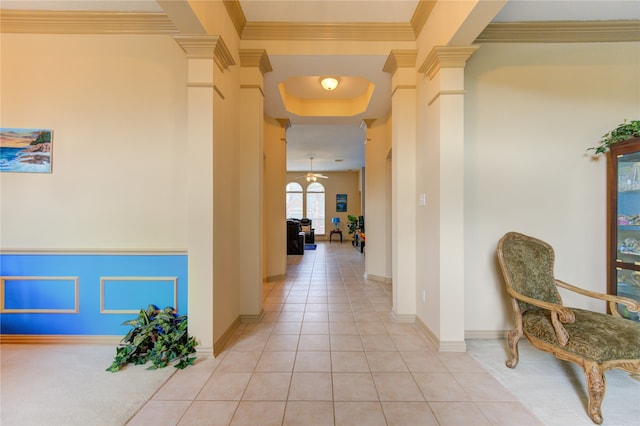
x=555, y=390
x=67, y=385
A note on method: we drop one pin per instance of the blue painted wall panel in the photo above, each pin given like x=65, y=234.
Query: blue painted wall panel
x=156, y=275
x=43, y=293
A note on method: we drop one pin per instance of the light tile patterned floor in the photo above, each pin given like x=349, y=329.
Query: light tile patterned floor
x=328, y=352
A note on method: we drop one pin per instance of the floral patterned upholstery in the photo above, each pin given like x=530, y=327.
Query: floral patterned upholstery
x=595, y=341
x=594, y=336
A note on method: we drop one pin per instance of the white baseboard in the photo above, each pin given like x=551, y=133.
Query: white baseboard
x=378, y=278
x=219, y=345
x=443, y=346
x=276, y=278
x=486, y=334
x=245, y=319
x=404, y=318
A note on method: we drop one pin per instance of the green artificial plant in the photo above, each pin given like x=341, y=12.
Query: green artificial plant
x=353, y=223
x=624, y=131
x=157, y=336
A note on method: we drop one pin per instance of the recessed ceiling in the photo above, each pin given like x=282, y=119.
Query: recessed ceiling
x=305, y=97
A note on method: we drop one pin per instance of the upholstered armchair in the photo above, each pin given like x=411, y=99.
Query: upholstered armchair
x=295, y=238
x=309, y=232
x=595, y=341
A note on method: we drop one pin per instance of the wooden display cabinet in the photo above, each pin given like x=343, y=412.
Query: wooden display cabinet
x=623, y=216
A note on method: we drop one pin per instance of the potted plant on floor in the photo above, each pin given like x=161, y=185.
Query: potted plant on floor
x=159, y=336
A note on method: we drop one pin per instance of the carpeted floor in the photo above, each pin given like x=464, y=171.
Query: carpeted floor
x=67, y=385
x=555, y=390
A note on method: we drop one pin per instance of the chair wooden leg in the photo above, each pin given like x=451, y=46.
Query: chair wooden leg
x=512, y=342
x=596, y=386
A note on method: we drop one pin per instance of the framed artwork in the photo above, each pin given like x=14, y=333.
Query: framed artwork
x=25, y=150
x=341, y=202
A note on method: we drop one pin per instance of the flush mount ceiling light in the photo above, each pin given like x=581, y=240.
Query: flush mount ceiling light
x=329, y=83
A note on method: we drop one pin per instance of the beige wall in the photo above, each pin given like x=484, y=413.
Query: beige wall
x=531, y=112
x=124, y=177
x=116, y=105
x=338, y=183
x=126, y=174
x=378, y=201
x=275, y=180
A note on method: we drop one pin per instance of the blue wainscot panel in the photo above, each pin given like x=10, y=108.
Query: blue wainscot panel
x=86, y=294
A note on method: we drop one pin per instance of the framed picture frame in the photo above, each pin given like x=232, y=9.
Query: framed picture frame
x=341, y=202
x=25, y=150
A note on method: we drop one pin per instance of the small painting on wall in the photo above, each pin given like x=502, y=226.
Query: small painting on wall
x=25, y=150
x=341, y=202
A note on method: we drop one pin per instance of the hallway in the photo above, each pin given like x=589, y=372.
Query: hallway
x=329, y=352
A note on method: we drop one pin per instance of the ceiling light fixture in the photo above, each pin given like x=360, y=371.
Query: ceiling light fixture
x=329, y=83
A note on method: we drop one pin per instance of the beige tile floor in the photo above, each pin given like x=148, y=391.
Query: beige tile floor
x=328, y=352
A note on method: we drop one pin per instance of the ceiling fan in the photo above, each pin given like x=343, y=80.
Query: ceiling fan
x=310, y=176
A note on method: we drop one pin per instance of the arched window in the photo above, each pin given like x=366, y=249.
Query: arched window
x=315, y=206
x=294, y=200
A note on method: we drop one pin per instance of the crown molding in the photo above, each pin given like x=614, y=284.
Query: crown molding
x=256, y=58
x=561, y=32
x=421, y=15
x=400, y=59
x=206, y=47
x=50, y=22
x=446, y=57
x=236, y=14
x=328, y=31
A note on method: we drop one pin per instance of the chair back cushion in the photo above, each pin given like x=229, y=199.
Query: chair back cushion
x=527, y=266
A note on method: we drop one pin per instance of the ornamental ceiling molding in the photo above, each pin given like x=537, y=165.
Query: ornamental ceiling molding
x=256, y=58
x=328, y=31
x=400, y=59
x=561, y=32
x=53, y=22
x=236, y=14
x=421, y=15
x=80, y=22
x=446, y=57
x=206, y=47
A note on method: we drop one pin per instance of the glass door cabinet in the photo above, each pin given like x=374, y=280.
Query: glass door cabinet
x=623, y=182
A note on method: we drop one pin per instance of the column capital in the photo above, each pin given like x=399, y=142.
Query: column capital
x=366, y=123
x=255, y=58
x=285, y=123
x=400, y=59
x=206, y=47
x=446, y=57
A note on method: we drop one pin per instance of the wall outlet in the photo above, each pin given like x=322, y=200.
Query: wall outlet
x=424, y=296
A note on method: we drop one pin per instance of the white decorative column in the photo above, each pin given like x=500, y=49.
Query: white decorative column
x=249, y=226
x=206, y=57
x=275, y=199
x=403, y=182
x=444, y=66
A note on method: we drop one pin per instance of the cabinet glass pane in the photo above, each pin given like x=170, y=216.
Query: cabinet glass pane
x=628, y=283
x=628, y=235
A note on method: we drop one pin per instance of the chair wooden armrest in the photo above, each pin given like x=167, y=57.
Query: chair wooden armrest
x=613, y=300
x=559, y=314
x=565, y=314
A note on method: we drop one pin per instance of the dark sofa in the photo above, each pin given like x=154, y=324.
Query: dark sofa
x=295, y=237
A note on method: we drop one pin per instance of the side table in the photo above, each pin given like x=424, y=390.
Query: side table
x=335, y=231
